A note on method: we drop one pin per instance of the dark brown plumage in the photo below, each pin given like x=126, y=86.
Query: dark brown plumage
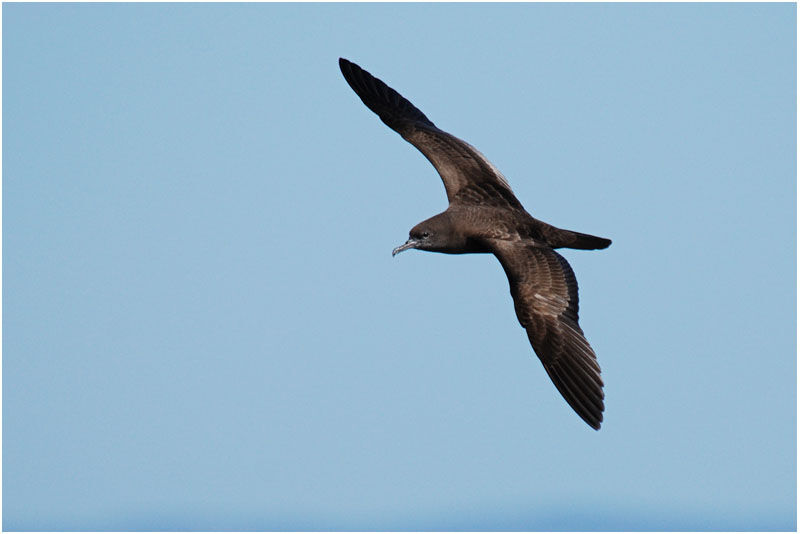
x=484, y=216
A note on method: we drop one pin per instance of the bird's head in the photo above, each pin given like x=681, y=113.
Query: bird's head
x=434, y=234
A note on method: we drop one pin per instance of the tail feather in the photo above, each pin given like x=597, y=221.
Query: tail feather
x=570, y=239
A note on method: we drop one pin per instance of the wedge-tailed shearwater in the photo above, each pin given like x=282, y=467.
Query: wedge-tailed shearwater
x=484, y=216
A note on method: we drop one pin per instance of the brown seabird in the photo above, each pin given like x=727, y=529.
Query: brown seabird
x=484, y=216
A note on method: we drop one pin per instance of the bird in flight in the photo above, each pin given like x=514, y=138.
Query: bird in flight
x=484, y=216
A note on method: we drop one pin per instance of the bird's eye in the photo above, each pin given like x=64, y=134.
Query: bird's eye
x=425, y=234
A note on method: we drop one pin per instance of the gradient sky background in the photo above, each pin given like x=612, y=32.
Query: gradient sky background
x=204, y=327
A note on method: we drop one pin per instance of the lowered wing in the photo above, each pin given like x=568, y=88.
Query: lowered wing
x=545, y=296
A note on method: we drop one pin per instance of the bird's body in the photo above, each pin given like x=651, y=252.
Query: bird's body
x=484, y=216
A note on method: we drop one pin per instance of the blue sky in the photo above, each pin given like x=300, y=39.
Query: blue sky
x=204, y=327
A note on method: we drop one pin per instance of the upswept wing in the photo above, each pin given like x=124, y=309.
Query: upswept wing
x=467, y=175
x=545, y=296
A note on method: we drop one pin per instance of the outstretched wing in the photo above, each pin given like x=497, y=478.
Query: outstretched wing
x=546, y=301
x=467, y=175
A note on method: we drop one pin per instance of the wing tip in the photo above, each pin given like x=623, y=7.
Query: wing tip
x=344, y=64
x=596, y=424
x=585, y=398
x=349, y=69
x=593, y=420
x=392, y=108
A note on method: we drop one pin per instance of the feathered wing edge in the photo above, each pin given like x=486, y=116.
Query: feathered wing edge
x=392, y=108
